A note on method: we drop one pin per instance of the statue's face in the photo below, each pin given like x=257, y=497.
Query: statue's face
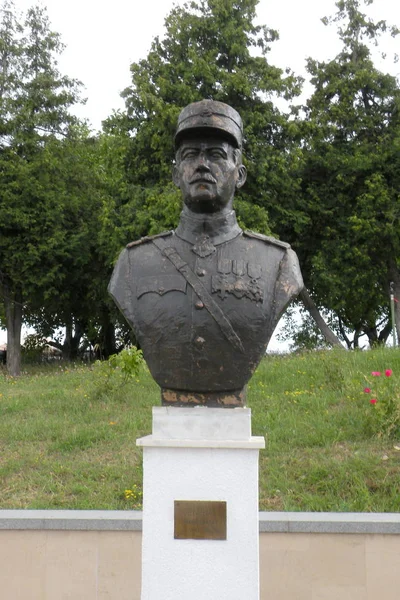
x=207, y=173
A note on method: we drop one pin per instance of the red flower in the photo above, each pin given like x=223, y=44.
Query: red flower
x=373, y=401
x=388, y=372
x=367, y=390
x=376, y=373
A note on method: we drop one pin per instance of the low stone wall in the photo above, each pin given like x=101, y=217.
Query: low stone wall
x=96, y=555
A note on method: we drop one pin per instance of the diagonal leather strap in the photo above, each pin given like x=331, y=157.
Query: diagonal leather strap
x=209, y=303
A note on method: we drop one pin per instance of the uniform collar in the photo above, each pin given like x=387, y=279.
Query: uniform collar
x=219, y=228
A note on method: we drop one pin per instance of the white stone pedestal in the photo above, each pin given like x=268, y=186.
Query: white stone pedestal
x=200, y=454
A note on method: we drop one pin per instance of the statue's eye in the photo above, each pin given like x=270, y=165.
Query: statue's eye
x=190, y=153
x=217, y=153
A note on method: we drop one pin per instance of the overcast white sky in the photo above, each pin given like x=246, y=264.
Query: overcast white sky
x=103, y=38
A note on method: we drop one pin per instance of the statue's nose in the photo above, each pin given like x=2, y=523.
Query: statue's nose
x=202, y=161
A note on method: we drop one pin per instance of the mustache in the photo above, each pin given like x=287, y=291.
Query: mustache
x=205, y=177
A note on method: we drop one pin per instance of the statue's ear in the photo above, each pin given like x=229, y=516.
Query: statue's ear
x=175, y=176
x=242, y=176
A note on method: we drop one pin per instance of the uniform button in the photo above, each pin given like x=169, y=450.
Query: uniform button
x=201, y=272
x=199, y=305
x=199, y=341
x=161, y=290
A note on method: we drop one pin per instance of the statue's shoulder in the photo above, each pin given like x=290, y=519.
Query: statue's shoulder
x=148, y=238
x=267, y=239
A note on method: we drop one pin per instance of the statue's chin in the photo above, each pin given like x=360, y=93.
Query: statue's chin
x=206, y=203
x=203, y=204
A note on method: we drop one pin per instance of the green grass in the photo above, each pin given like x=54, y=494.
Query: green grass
x=67, y=438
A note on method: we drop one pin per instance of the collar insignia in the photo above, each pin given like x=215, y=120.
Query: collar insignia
x=203, y=246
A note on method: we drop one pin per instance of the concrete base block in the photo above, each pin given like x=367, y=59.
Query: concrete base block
x=200, y=454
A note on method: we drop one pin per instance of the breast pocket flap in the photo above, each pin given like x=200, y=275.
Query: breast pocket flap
x=161, y=284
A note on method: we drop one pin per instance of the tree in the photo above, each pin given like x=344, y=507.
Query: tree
x=211, y=49
x=72, y=299
x=350, y=247
x=34, y=103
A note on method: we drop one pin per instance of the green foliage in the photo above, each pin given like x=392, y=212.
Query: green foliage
x=33, y=347
x=34, y=103
x=382, y=391
x=350, y=246
x=302, y=336
x=321, y=454
x=118, y=370
x=53, y=189
x=128, y=362
x=212, y=49
x=76, y=298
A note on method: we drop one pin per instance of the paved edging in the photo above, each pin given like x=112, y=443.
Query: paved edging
x=72, y=520
x=305, y=522
x=270, y=522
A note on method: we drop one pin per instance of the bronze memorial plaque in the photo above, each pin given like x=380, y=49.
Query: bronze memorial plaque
x=199, y=520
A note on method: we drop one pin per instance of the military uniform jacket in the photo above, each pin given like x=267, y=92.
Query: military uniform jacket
x=204, y=300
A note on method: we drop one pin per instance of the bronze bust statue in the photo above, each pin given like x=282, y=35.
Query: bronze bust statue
x=204, y=300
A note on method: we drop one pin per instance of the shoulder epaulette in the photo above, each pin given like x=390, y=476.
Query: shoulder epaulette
x=149, y=238
x=267, y=238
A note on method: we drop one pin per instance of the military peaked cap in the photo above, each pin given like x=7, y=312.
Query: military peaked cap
x=211, y=115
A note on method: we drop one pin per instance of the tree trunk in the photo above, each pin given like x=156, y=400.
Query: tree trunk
x=395, y=277
x=372, y=334
x=73, y=336
x=310, y=305
x=75, y=341
x=13, y=306
x=342, y=330
x=107, y=335
x=384, y=334
x=356, y=338
x=66, y=347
